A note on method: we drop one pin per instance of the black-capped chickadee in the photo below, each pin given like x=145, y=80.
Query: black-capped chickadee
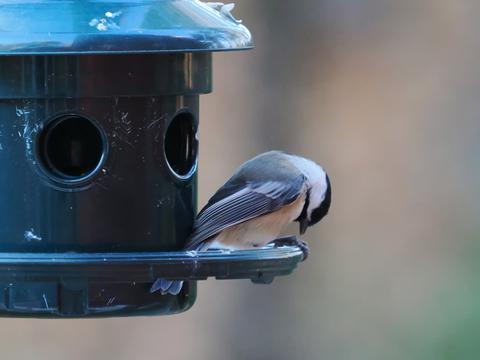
x=264, y=195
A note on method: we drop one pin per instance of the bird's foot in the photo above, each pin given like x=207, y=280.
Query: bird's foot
x=293, y=241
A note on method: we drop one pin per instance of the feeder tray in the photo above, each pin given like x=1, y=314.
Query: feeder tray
x=99, y=284
x=98, y=156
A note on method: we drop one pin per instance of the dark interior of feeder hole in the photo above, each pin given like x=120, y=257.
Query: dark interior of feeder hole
x=71, y=147
x=181, y=143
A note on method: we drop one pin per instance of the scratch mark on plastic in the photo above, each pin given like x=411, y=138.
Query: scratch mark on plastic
x=110, y=301
x=123, y=126
x=45, y=300
x=28, y=128
x=156, y=120
x=30, y=236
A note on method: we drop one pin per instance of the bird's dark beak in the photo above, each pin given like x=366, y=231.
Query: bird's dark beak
x=303, y=225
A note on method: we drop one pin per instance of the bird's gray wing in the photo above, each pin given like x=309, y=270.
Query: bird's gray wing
x=273, y=168
x=236, y=203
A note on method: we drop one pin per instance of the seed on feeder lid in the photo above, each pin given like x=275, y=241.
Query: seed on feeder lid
x=111, y=15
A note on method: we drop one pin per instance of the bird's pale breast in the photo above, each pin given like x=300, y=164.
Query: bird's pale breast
x=259, y=231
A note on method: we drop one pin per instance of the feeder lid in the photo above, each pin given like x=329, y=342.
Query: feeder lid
x=38, y=27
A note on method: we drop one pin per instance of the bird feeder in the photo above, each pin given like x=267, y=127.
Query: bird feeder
x=99, y=111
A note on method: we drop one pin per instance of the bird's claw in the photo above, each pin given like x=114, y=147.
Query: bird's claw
x=293, y=241
x=305, y=249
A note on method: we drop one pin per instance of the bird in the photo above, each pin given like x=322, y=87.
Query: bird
x=250, y=210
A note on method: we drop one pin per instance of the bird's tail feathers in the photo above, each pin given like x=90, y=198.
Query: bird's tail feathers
x=174, y=287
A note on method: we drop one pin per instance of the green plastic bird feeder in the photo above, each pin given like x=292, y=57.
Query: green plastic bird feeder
x=98, y=155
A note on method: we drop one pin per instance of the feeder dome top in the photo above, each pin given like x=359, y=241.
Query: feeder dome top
x=41, y=27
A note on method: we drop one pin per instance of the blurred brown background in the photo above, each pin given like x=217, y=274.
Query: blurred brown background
x=384, y=94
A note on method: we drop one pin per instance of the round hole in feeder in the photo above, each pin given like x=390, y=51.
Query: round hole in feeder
x=71, y=147
x=181, y=144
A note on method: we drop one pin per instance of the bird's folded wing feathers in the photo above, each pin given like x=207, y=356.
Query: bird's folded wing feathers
x=240, y=204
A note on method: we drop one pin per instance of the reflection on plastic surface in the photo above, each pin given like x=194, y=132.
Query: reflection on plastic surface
x=61, y=27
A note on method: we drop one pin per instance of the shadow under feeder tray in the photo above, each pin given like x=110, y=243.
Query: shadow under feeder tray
x=115, y=284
